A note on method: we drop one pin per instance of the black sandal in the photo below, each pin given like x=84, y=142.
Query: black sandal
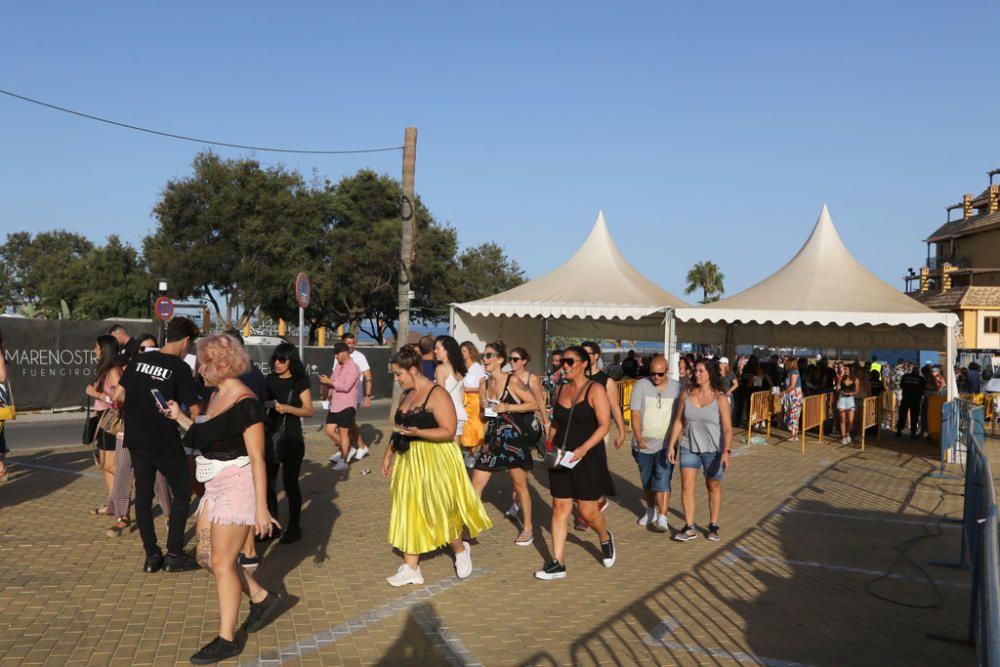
x=119, y=527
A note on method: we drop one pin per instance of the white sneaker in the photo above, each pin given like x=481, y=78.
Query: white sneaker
x=513, y=510
x=650, y=515
x=463, y=562
x=360, y=453
x=350, y=454
x=337, y=456
x=404, y=575
x=340, y=465
x=660, y=525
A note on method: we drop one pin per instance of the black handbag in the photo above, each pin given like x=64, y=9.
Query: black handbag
x=555, y=455
x=278, y=437
x=89, y=427
x=399, y=442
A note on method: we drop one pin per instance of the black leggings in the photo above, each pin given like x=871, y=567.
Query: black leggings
x=293, y=451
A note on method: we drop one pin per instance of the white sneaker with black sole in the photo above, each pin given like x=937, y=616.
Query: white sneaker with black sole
x=552, y=570
x=359, y=453
x=608, y=551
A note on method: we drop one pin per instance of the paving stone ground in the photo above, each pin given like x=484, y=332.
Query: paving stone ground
x=824, y=561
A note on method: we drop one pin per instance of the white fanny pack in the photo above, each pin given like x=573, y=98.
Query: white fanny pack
x=206, y=469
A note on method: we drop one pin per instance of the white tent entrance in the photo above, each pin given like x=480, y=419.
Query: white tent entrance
x=595, y=294
x=822, y=298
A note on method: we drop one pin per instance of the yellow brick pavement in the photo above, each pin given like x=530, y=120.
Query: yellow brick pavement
x=792, y=582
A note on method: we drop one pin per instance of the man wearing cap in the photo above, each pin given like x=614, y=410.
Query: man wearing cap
x=359, y=449
x=729, y=381
x=652, y=411
x=344, y=383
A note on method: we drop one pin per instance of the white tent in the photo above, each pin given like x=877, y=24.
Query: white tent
x=823, y=297
x=595, y=294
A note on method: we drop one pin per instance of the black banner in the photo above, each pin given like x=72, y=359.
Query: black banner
x=49, y=362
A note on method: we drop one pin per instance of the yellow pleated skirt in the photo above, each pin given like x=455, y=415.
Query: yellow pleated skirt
x=472, y=436
x=432, y=498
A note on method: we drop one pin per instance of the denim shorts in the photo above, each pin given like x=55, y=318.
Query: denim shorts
x=846, y=403
x=655, y=470
x=710, y=461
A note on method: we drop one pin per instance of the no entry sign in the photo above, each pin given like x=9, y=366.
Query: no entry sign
x=164, y=308
x=302, y=290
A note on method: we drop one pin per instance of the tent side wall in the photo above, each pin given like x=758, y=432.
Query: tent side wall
x=526, y=332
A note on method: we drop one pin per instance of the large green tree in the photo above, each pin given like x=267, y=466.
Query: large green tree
x=43, y=270
x=485, y=270
x=116, y=283
x=707, y=277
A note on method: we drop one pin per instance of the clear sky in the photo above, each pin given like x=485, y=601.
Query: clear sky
x=704, y=130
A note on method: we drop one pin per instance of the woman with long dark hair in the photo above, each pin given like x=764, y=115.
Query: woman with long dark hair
x=475, y=375
x=432, y=498
x=102, y=390
x=508, y=407
x=704, y=429
x=231, y=463
x=581, y=417
x=3, y=438
x=288, y=388
x=449, y=373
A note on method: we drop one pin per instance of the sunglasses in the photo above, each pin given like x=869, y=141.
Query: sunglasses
x=657, y=375
x=144, y=348
x=282, y=358
x=488, y=355
x=513, y=359
x=568, y=361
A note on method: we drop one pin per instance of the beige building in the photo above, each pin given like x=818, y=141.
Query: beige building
x=962, y=274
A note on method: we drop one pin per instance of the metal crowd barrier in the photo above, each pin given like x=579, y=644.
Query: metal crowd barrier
x=760, y=411
x=813, y=416
x=963, y=431
x=625, y=386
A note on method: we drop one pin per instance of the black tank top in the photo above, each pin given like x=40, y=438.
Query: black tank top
x=584, y=421
x=418, y=417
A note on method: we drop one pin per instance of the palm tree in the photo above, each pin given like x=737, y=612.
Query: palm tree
x=706, y=275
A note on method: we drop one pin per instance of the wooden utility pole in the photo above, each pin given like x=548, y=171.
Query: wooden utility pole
x=408, y=215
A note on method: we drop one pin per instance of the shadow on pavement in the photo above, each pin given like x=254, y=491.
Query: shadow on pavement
x=31, y=475
x=822, y=580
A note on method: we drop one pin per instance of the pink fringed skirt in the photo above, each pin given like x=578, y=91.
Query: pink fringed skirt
x=229, y=497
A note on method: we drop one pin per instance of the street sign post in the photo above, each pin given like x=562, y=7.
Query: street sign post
x=164, y=309
x=302, y=288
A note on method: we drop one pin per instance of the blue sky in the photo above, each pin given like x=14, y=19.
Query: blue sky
x=704, y=130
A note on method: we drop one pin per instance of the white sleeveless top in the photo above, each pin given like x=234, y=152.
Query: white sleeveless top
x=455, y=390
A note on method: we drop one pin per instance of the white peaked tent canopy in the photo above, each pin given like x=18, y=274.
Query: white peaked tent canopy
x=595, y=294
x=822, y=298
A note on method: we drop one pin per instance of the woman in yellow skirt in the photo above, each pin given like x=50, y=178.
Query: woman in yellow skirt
x=432, y=497
x=472, y=436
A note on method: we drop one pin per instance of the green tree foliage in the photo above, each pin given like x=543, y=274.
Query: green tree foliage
x=44, y=269
x=485, y=270
x=707, y=277
x=116, y=283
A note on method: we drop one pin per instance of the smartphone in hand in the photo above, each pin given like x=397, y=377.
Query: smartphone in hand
x=161, y=402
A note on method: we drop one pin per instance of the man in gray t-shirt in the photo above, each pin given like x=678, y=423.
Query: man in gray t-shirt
x=652, y=408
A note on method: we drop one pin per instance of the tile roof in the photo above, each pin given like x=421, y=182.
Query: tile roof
x=959, y=297
x=956, y=228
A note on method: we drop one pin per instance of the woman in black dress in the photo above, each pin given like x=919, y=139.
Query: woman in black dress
x=581, y=415
x=288, y=388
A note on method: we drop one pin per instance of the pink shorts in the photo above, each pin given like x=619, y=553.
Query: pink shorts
x=229, y=497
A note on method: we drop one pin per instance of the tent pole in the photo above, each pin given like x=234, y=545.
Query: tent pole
x=951, y=382
x=670, y=344
x=451, y=321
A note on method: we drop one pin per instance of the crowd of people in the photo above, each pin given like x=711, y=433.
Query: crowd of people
x=212, y=427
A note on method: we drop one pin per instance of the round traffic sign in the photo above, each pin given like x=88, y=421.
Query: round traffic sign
x=302, y=290
x=164, y=308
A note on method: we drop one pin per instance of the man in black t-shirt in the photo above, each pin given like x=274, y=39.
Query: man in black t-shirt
x=155, y=444
x=127, y=346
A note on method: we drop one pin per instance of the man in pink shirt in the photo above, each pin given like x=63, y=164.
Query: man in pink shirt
x=344, y=385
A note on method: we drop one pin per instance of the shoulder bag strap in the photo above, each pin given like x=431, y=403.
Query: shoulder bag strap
x=569, y=419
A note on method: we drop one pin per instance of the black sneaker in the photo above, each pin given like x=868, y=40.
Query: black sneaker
x=262, y=613
x=291, y=534
x=217, y=650
x=153, y=563
x=713, y=532
x=608, y=550
x=552, y=570
x=248, y=562
x=686, y=533
x=180, y=563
